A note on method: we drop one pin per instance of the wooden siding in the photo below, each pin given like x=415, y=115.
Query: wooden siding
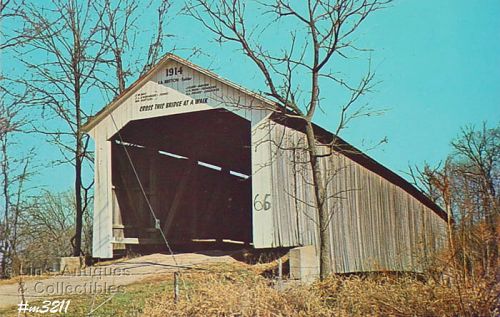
x=102, y=232
x=375, y=224
x=157, y=88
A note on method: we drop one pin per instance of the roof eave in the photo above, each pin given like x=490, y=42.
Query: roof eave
x=98, y=117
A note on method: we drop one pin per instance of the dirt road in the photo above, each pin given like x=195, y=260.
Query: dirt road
x=105, y=278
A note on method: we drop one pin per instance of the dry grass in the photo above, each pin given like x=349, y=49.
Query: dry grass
x=233, y=295
x=240, y=291
x=406, y=296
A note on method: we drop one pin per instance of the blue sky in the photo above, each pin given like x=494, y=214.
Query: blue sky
x=439, y=67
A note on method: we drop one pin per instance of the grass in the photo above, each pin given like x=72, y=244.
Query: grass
x=245, y=292
x=130, y=302
x=242, y=290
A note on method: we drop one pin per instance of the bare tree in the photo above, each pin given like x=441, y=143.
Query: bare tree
x=45, y=228
x=67, y=33
x=467, y=186
x=477, y=172
x=121, y=21
x=157, y=39
x=13, y=171
x=67, y=47
x=319, y=31
x=10, y=11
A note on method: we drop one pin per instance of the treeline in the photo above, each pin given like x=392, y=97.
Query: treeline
x=66, y=58
x=467, y=185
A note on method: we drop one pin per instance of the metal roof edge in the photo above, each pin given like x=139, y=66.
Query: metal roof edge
x=364, y=160
x=356, y=154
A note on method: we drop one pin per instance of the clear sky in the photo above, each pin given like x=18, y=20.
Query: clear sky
x=439, y=66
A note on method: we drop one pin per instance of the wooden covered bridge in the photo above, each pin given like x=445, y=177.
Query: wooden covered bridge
x=200, y=158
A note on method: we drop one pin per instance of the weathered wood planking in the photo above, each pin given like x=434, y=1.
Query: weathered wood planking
x=375, y=224
x=139, y=102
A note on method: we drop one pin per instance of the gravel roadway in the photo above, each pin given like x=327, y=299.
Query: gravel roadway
x=105, y=278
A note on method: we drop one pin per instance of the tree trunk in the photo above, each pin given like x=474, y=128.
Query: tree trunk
x=119, y=72
x=77, y=248
x=79, y=210
x=325, y=268
x=5, y=190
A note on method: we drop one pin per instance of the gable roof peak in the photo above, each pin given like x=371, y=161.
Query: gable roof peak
x=103, y=113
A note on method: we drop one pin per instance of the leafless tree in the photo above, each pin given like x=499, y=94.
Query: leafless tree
x=157, y=41
x=80, y=40
x=467, y=186
x=67, y=45
x=477, y=174
x=13, y=171
x=67, y=33
x=121, y=20
x=10, y=11
x=45, y=229
x=318, y=32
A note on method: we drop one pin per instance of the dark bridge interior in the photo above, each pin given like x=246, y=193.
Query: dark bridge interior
x=194, y=169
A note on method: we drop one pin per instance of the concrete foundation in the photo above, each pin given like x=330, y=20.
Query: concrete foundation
x=71, y=264
x=304, y=264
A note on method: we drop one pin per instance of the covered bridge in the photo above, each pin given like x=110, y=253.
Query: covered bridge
x=211, y=160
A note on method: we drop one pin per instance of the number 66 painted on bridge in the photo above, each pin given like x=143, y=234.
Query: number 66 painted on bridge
x=259, y=205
